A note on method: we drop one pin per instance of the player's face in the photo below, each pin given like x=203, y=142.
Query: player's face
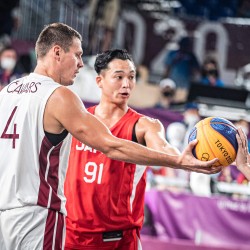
x=71, y=62
x=118, y=81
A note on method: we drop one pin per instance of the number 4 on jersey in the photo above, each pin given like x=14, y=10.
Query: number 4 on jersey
x=13, y=136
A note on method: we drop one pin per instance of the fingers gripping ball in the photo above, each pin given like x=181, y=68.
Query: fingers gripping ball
x=216, y=139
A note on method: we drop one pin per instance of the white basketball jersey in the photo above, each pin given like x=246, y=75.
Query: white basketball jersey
x=32, y=170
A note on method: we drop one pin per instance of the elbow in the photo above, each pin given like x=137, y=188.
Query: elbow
x=108, y=147
x=112, y=148
x=110, y=152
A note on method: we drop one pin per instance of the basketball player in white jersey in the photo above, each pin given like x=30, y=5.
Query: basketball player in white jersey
x=37, y=114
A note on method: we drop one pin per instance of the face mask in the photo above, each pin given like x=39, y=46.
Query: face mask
x=191, y=119
x=8, y=63
x=212, y=72
x=168, y=94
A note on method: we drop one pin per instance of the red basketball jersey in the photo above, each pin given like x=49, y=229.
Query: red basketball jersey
x=104, y=194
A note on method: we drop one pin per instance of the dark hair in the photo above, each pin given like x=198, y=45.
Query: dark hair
x=185, y=43
x=55, y=33
x=103, y=59
x=9, y=47
x=215, y=71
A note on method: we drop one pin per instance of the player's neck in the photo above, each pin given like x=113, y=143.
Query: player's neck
x=43, y=71
x=111, y=110
x=110, y=105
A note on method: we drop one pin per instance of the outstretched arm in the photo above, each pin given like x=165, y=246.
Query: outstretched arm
x=65, y=110
x=243, y=157
x=150, y=132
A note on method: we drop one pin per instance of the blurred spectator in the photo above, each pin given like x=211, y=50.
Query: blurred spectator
x=210, y=73
x=190, y=117
x=243, y=77
x=8, y=66
x=167, y=89
x=225, y=175
x=242, y=179
x=103, y=21
x=175, y=134
x=168, y=178
x=89, y=91
x=182, y=67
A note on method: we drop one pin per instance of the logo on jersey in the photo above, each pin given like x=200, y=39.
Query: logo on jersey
x=82, y=147
x=20, y=87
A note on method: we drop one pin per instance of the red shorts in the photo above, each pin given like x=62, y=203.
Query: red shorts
x=122, y=240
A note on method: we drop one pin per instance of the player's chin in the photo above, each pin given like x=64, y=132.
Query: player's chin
x=71, y=81
x=124, y=97
x=67, y=83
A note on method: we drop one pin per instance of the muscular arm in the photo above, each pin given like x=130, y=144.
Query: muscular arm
x=150, y=132
x=65, y=110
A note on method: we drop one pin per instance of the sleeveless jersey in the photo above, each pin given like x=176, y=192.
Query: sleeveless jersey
x=104, y=194
x=32, y=169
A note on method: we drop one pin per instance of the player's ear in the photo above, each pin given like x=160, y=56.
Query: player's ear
x=57, y=52
x=99, y=80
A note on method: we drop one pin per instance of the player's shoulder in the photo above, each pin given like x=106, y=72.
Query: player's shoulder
x=64, y=93
x=63, y=98
x=147, y=122
x=148, y=119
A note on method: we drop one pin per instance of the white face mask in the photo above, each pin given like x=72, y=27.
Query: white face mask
x=8, y=63
x=191, y=119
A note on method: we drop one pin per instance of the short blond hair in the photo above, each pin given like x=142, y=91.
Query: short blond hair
x=55, y=34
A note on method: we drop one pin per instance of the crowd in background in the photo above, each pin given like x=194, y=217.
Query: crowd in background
x=177, y=134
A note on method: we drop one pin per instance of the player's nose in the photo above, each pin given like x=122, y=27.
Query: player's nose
x=125, y=83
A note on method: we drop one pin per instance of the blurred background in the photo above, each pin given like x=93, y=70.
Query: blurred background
x=193, y=61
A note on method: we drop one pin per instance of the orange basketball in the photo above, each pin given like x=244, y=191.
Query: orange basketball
x=216, y=139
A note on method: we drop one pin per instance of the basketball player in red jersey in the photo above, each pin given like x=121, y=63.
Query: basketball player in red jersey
x=105, y=198
x=37, y=115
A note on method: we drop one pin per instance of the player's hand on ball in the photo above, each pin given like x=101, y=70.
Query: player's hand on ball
x=217, y=139
x=192, y=164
